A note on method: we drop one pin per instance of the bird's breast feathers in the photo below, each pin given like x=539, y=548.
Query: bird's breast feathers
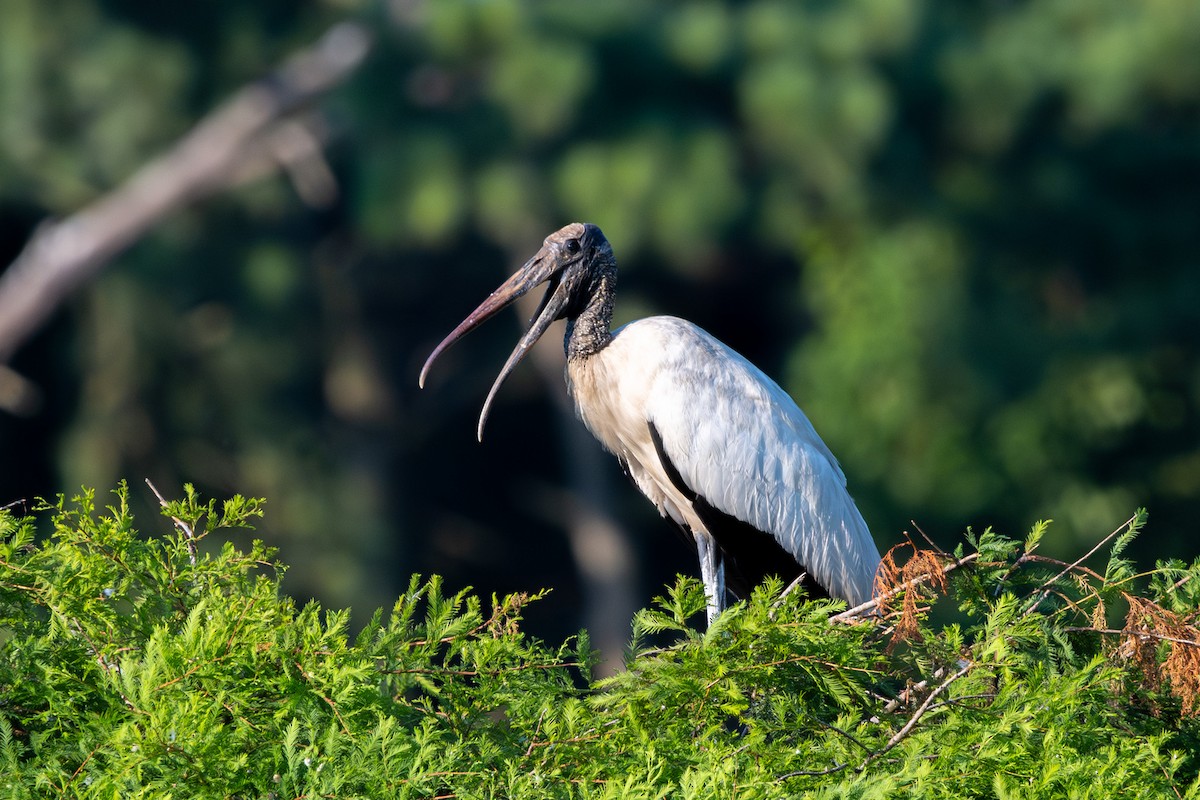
x=719, y=417
x=670, y=372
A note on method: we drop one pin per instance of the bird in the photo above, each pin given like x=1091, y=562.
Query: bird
x=718, y=447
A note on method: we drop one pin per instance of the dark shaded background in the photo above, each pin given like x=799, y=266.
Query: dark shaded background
x=964, y=236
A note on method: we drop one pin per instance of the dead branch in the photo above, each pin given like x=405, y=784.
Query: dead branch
x=1133, y=634
x=859, y=610
x=255, y=129
x=1046, y=589
x=963, y=669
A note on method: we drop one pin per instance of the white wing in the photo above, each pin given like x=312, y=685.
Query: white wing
x=738, y=440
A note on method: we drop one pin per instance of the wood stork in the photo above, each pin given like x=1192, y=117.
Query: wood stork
x=715, y=444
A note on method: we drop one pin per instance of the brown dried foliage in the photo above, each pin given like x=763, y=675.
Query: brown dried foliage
x=920, y=577
x=1150, y=627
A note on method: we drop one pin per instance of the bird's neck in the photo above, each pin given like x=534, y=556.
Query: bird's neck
x=590, y=331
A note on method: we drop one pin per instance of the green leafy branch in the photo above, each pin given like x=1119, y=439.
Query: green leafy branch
x=146, y=666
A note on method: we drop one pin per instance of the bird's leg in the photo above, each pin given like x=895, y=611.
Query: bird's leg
x=712, y=572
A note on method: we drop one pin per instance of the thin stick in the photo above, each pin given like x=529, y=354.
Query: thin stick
x=920, y=712
x=809, y=773
x=850, y=613
x=1045, y=590
x=1125, y=632
x=792, y=586
x=189, y=535
x=932, y=543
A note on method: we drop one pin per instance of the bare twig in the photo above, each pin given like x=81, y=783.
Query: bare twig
x=189, y=535
x=810, y=773
x=907, y=695
x=920, y=712
x=1040, y=559
x=791, y=587
x=932, y=544
x=860, y=609
x=1046, y=588
x=1135, y=634
x=224, y=147
x=842, y=733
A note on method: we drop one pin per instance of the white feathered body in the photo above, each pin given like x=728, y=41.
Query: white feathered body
x=735, y=438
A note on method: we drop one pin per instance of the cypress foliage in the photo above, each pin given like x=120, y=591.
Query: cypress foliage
x=172, y=666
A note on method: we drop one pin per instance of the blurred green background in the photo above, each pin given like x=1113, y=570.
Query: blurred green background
x=965, y=236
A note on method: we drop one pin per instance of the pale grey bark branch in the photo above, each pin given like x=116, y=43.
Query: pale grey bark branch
x=255, y=127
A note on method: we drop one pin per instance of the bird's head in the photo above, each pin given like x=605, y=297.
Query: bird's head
x=574, y=261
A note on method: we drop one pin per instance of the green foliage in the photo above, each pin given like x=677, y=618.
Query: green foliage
x=172, y=666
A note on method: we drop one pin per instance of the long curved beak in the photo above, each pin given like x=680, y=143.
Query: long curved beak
x=537, y=270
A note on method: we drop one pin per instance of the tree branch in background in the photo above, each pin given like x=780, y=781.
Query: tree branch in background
x=259, y=131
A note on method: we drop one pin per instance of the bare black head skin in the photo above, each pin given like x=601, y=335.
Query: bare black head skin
x=578, y=264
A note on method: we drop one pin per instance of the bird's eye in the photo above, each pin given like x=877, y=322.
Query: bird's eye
x=572, y=246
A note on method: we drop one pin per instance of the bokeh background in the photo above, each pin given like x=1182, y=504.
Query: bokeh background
x=965, y=236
